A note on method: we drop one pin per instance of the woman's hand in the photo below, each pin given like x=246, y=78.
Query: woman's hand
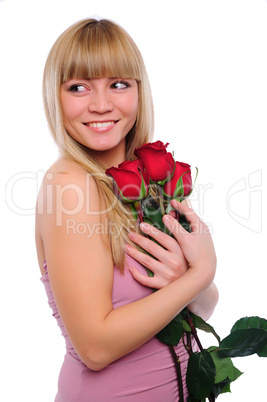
x=186, y=251
x=169, y=263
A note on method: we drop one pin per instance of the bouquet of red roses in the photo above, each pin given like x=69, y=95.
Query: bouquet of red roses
x=148, y=184
x=151, y=181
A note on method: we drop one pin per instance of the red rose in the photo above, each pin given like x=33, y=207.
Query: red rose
x=180, y=184
x=157, y=161
x=131, y=182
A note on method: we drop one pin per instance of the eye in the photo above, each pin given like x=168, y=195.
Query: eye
x=77, y=88
x=120, y=85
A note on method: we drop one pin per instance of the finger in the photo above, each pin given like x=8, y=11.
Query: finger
x=143, y=258
x=145, y=280
x=191, y=216
x=173, y=213
x=162, y=238
x=169, y=253
x=174, y=226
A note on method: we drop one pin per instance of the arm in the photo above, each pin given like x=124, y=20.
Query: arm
x=205, y=303
x=81, y=275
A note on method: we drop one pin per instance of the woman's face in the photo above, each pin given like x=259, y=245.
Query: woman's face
x=99, y=113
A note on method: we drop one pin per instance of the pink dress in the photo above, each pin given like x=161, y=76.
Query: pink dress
x=144, y=375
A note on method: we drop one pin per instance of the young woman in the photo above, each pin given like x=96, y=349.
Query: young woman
x=99, y=109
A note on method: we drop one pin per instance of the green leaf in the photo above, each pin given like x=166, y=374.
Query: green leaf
x=172, y=333
x=134, y=211
x=186, y=326
x=263, y=351
x=250, y=322
x=200, y=374
x=192, y=399
x=149, y=273
x=203, y=325
x=243, y=342
x=237, y=373
x=152, y=213
x=179, y=189
x=222, y=387
x=143, y=189
x=224, y=366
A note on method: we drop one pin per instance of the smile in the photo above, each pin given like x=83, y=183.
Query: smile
x=101, y=124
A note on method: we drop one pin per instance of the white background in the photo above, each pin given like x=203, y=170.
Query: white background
x=207, y=63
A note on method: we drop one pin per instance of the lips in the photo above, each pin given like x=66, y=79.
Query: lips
x=100, y=124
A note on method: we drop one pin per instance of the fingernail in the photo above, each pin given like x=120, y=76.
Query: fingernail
x=132, y=270
x=127, y=248
x=166, y=218
x=144, y=225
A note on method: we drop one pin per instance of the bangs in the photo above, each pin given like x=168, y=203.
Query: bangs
x=100, y=50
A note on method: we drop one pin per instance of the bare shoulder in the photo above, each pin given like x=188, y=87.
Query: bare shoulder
x=65, y=172
x=69, y=188
x=68, y=202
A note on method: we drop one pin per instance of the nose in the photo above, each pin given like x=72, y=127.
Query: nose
x=100, y=102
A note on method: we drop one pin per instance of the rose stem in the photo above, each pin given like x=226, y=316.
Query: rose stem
x=211, y=398
x=138, y=208
x=178, y=373
x=194, y=332
x=159, y=192
x=188, y=344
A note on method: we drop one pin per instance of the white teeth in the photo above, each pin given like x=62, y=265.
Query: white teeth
x=98, y=124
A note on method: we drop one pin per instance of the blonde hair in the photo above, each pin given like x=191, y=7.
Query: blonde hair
x=96, y=49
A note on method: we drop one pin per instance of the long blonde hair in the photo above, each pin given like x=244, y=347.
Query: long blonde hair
x=95, y=49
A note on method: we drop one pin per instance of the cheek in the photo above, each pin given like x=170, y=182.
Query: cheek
x=133, y=107
x=71, y=108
